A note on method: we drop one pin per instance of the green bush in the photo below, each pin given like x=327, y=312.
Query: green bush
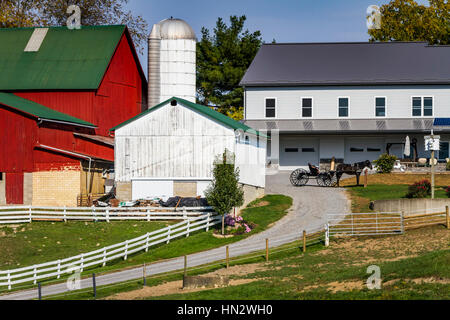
x=448, y=166
x=421, y=189
x=385, y=163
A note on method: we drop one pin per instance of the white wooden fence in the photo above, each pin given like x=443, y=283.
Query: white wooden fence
x=102, y=256
x=26, y=214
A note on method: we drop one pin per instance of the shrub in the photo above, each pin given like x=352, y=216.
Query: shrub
x=447, y=191
x=448, y=166
x=385, y=163
x=420, y=189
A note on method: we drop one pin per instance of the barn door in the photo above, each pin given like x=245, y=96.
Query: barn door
x=14, y=188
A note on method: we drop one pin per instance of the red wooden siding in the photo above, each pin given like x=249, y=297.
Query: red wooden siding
x=14, y=188
x=17, y=138
x=118, y=98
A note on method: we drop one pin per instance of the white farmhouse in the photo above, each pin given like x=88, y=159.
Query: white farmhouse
x=351, y=101
x=169, y=150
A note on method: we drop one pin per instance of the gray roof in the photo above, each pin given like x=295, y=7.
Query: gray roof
x=359, y=63
x=351, y=126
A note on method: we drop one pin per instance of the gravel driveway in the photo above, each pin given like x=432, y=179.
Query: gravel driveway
x=311, y=204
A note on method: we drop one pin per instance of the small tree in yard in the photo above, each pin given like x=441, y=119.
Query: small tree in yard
x=385, y=163
x=224, y=193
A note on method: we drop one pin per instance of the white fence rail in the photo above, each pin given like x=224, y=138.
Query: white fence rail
x=26, y=214
x=365, y=224
x=103, y=255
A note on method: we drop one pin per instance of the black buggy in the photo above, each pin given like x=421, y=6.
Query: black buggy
x=300, y=177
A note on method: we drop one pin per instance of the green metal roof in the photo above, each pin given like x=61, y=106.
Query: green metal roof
x=38, y=110
x=227, y=121
x=67, y=59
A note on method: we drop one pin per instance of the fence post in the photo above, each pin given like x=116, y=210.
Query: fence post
x=39, y=291
x=34, y=275
x=376, y=222
x=168, y=235
x=184, y=213
x=65, y=214
x=327, y=235
x=104, y=257
x=304, y=241
x=448, y=217
x=146, y=242
x=228, y=256
x=107, y=215
x=59, y=269
x=30, y=213
x=82, y=262
x=403, y=222
x=9, y=281
x=144, y=274
x=267, y=250
x=148, y=215
x=126, y=250
x=94, y=286
x=188, y=227
x=207, y=221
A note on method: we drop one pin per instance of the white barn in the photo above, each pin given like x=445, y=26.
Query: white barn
x=169, y=150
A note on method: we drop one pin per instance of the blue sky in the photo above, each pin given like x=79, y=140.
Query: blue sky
x=282, y=20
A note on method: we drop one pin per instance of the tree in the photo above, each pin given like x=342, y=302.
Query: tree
x=222, y=60
x=25, y=13
x=224, y=193
x=406, y=20
x=18, y=13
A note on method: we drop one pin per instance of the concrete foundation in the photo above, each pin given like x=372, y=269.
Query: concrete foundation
x=123, y=191
x=251, y=193
x=411, y=206
x=193, y=282
x=2, y=190
x=55, y=188
x=27, y=188
x=185, y=189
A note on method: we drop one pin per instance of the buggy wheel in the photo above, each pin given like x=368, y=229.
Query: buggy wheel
x=324, y=180
x=299, y=177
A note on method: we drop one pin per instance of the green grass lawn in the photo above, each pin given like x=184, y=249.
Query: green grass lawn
x=415, y=265
x=361, y=196
x=37, y=243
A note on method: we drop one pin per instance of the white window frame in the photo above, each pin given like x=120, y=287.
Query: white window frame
x=265, y=107
x=301, y=107
x=348, y=108
x=385, y=107
x=422, y=107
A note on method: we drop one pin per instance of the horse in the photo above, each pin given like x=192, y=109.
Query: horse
x=353, y=169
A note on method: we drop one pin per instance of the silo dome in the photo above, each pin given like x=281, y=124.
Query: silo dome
x=173, y=29
x=171, y=61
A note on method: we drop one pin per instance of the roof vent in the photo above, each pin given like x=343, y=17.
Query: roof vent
x=36, y=40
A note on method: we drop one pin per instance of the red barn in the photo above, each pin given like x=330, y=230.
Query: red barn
x=61, y=91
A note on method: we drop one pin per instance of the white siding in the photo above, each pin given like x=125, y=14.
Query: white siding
x=175, y=142
x=362, y=101
x=172, y=141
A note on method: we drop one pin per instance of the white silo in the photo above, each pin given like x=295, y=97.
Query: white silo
x=171, y=61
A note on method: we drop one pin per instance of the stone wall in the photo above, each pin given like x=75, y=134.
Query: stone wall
x=411, y=206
